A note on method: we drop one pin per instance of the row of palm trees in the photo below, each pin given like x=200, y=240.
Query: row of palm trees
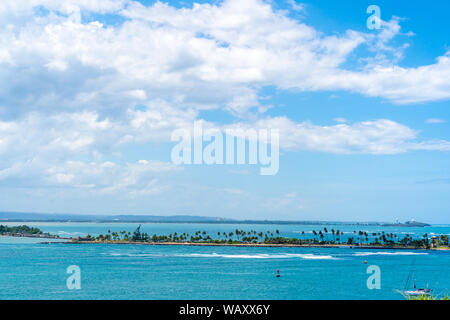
x=197, y=236
x=322, y=236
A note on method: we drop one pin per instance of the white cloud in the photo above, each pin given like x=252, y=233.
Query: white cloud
x=81, y=133
x=132, y=179
x=44, y=150
x=85, y=134
x=376, y=137
x=17, y=8
x=435, y=120
x=69, y=87
x=52, y=151
x=296, y=6
x=207, y=56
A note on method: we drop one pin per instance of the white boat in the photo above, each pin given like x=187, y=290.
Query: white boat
x=416, y=293
x=409, y=292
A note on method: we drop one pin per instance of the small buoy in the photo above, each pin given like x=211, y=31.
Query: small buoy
x=278, y=273
x=365, y=262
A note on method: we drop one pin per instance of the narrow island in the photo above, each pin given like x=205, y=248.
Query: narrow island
x=26, y=232
x=316, y=238
x=321, y=238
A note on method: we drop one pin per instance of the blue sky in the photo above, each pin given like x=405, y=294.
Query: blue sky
x=92, y=90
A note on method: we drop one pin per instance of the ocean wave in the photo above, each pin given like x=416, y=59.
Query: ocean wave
x=381, y=253
x=311, y=256
x=307, y=256
x=133, y=254
x=64, y=233
x=258, y=256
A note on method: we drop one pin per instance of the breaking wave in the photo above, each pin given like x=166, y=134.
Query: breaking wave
x=306, y=256
x=362, y=254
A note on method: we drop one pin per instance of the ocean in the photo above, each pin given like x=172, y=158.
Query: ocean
x=30, y=270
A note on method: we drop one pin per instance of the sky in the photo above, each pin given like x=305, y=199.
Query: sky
x=91, y=92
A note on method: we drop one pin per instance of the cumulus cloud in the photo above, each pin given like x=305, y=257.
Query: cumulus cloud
x=54, y=151
x=378, y=137
x=80, y=133
x=109, y=177
x=18, y=8
x=132, y=179
x=85, y=133
x=44, y=150
x=296, y=6
x=77, y=88
x=207, y=56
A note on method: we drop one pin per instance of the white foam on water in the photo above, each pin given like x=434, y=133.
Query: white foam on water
x=312, y=256
x=258, y=256
x=307, y=256
x=132, y=254
x=64, y=233
x=381, y=253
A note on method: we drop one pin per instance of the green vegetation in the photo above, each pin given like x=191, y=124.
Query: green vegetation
x=25, y=230
x=446, y=297
x=320, y=237
x=443, y=240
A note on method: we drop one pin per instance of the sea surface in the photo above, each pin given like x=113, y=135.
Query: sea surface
x=31, y=270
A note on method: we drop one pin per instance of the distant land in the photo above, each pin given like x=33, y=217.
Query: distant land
x=61, y=217
x=407, y=224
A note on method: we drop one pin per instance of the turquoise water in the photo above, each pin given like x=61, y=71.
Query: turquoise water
x=29, y=270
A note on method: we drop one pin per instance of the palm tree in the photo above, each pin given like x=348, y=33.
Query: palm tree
x=326, y=232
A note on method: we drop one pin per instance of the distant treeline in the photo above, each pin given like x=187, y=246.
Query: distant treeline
x=20, y=230
x=319, y=237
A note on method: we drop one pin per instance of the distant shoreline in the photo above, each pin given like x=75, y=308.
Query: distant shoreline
x=11, y=216
x=37, y=236
x=227, y=222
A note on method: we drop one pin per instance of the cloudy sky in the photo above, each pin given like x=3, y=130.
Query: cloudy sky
x=91, y=90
